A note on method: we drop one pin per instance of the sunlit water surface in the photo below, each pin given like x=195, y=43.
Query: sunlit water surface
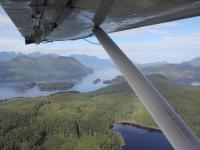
x=136, y=138
x=9, y=90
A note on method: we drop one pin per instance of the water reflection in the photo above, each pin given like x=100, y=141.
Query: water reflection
x=87, y=85
x=9, y=90
x=136, y=138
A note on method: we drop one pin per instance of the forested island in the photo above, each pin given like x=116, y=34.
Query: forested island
x=46, y=86
x=116, y=80
x=53, y=86
x=83, y=120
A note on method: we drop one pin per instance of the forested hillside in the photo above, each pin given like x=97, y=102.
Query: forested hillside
x=82, y=121
x=184, y=72
x=42, y=68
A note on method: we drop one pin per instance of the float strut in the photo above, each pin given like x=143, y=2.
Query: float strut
x=172, y=125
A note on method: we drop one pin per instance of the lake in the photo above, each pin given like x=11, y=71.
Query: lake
x=9, y=90
x=136, y=138
x=87, y=85
x=195, y=84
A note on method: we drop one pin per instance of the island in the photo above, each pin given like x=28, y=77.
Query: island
x=53, y=86
x=26, y=86
x=116, y=80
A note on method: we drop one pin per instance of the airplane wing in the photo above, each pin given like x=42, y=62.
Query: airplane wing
x=58, y=20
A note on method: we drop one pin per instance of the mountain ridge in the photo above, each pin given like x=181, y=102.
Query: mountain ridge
x=42, y=68
x=94, y=62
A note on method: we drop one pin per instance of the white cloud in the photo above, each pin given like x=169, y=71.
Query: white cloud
x=5, y=20
x=171, y=48
x=18, y=46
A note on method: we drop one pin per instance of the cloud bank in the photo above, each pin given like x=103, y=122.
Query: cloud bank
x=173, y=41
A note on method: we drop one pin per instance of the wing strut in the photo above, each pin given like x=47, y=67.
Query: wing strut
x=172, y=125
x=102, y=11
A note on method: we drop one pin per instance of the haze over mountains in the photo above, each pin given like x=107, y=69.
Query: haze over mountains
x=185, y=72
x=89, y=61
x=54, y=66
x=46, y=67
x=7, y=56
x=94, y=62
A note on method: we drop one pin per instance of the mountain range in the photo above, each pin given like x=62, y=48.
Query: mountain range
x=90, y=61
x=7, y=56
x=44, y=67
x=94, y=62
x=185, y=72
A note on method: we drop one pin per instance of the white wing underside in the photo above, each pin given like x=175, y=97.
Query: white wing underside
x=56, y=20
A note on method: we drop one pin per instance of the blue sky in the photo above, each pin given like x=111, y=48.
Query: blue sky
x=174, y=42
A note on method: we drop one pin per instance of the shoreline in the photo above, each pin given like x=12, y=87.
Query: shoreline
x=133, y=124
x=137, y=125
x=59, y=92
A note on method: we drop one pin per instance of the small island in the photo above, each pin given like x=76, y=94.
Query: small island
x=55, y=86
x=116, y=80
x=26, y=86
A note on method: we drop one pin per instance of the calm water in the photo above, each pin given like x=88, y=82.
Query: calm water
x=86, y=84
x=9, y=90
x=195, y=83
x=136, y=138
